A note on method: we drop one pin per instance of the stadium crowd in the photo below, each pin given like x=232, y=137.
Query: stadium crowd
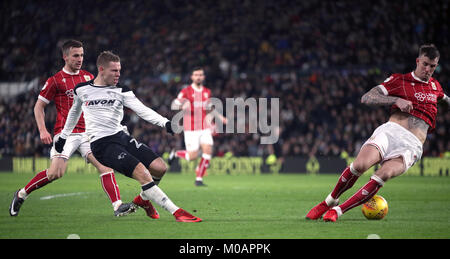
x=317, y=57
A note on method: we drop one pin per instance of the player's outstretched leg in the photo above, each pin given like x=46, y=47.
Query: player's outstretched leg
x=345, y=182
x=39, y=180
x=361, y=196
x=391, y=168
x=152, y=192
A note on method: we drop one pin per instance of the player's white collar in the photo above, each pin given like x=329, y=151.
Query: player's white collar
x=70, y=73
x=418, y=79
x=197, y=90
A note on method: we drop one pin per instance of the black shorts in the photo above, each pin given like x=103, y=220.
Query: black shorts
x=122, y=153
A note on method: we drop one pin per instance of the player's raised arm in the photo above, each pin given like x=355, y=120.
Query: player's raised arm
x=376, y=96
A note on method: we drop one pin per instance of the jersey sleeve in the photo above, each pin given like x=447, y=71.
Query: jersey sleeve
x=181, y=99
x=182, y=96
x=391, y=85
x=146, y=113
x=48, y=91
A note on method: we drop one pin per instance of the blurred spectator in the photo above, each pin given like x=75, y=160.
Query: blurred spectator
x=318, y=57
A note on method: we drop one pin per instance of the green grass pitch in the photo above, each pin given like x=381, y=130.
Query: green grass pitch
x=232, y=207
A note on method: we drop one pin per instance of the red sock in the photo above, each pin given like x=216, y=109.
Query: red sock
x=363, y=194
x=201, y=168
x=182, y=154
x=38, y=181
x=345, y=182
x=110, y=186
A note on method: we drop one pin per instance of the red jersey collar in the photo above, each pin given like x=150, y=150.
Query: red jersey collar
x=195, y=89
x=70, y=73
x=418, y=79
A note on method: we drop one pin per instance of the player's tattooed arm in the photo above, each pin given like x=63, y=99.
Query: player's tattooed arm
x=376, y=97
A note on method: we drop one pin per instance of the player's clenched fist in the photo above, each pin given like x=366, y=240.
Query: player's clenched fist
x=46, y=138
x=404, y=105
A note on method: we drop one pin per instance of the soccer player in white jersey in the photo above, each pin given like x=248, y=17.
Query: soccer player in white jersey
x=102, y=101
x=59, y=89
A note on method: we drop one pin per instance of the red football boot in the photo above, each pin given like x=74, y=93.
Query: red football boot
x=184, y=216
x=318, y=211
x=147, y=206
x=331, y=216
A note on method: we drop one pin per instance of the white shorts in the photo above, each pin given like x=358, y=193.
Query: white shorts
x=393, y=140
x=193, y=139
x=75, y=141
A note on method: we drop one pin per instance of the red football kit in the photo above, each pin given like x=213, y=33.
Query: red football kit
x=59, y=88
x=194, y=119
x=423, y=95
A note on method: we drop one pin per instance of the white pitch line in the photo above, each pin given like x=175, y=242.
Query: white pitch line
x=62, y=195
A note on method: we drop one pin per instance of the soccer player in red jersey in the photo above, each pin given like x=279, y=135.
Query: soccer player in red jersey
x=397, y=144
x=194, y=101
x=59, y=88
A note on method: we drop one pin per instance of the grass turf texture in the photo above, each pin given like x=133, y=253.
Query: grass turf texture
x=232, y=207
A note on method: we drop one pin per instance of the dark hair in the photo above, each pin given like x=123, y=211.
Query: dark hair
x=67, y=45
x=105, y=57
x=429, y=50
x=196, y=69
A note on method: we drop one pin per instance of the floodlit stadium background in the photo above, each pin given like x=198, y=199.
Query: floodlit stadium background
x=317, y=57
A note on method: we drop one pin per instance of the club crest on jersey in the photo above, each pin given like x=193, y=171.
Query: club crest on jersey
x=87, y=78
x=433, y=85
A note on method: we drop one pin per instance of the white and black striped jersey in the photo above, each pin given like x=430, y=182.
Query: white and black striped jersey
x=102, y=107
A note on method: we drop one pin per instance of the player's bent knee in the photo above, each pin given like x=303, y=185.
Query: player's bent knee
x=360, y=166
x=158, y=168
x=103, y=169
x=141, y=174
x=391, y=168
x=387, y=173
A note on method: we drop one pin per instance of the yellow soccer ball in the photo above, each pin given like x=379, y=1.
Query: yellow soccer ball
x=375, y=208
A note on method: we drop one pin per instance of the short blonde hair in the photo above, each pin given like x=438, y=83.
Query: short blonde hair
x=105, y=57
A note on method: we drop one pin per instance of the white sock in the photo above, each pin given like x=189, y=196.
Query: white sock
x=331, y=201
x=152, y=192
x=22, y=194
x=116, y=204
x=338, y=210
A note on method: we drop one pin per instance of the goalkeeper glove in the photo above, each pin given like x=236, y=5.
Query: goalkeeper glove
x=59, y=144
